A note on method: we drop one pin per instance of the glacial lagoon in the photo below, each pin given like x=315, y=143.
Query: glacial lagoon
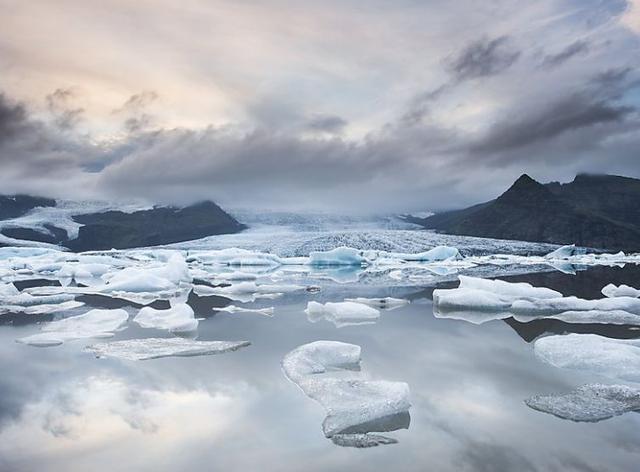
x=402, y=385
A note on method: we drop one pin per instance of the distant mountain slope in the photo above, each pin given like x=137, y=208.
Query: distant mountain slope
x=102, y=230
x=595, y=211
x=14, y=206
x=115, y=229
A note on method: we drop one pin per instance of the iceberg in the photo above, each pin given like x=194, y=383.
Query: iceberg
x=565, y=252
x=179, y=318
x=93, y=324
x=590, y=403
x=155, y=348
x=437, y=254
x=328, y=372
x=613, y=358
x=340, y=256
x=611, y=291
x=342, y=313
x=524, y=302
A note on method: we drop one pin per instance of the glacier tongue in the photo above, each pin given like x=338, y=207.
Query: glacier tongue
x=594, y=402
x=155, y=348
x=328, y=372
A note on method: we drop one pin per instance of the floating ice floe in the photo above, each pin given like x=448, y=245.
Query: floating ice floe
x=496, y=299
x=247, y=291
x=613, y=358
x=179, y=318
x=590, y=403
x=13, y=301
x=437, y=254
x=93, y=324
x=155, y=348
x=342, y=313
x=611, y=291
x=238, y=309
x=386, y=303
x=328, y=372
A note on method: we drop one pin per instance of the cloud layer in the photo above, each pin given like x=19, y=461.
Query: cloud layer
x=328, y=106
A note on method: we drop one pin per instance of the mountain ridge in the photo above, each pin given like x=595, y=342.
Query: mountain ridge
x=598, y=211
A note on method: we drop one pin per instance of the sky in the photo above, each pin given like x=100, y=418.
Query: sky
x=340, y=105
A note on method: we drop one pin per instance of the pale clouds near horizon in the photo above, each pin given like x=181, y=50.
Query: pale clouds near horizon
x=350, y=105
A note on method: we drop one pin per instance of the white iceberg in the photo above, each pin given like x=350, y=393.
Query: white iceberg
x=93, y=324
x=613, y=358
x=155, y=348
x=327, y=371
x=342, y=313
x=497, y=299
x=437, y=254
x=611, y=291
x=565, y=252
x=590, y=403
x=179, y=318
x=339, y=256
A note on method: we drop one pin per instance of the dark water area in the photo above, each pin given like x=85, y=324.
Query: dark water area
x=61, y=409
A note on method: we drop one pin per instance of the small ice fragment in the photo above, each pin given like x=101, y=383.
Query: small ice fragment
x=238, y=309
x=179, y=318
x=387, y=303
x=591, y=403
x=361, y=440
x=155, y=348
x=342, y=313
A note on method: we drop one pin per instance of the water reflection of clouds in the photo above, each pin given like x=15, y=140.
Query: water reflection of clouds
x=238, y=411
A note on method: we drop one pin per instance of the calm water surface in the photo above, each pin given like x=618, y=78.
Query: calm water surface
x=63, y=410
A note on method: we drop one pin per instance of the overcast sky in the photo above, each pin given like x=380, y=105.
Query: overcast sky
x=343, y=105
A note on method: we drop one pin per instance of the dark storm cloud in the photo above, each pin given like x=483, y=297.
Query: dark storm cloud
x=577, y=111
x=326, y=123
x=574, y=49
x=13, y=118
x=483, y=58
x=59, y=104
